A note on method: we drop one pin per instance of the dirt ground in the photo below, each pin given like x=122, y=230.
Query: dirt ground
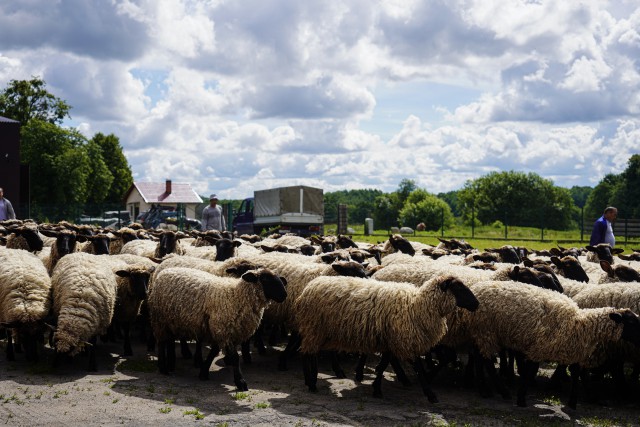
x=131, y=392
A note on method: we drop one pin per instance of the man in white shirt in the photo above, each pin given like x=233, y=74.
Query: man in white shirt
x=212, y=217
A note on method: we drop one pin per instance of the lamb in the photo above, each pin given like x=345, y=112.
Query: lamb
x=543, y=326
x=190, y=303
x=368, y=316
x=25, y=298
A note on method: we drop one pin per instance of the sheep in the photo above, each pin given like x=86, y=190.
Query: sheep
x=123, y=236
x=25, y=298
x=618, y=272
x=64, y=245
x=169, y=242
x=542, y=326
x=602, y=251
x=84, y=295
x=368, y=316
x=221, y=250
x=24, y=236
x=97, y=244
x=223, y=311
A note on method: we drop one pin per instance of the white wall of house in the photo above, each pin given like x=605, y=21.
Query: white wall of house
x=136, y=204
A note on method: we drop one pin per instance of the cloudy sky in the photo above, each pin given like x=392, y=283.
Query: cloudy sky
x=234, y=95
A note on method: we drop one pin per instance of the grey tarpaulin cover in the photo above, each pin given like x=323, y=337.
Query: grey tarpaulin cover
x=278, y=201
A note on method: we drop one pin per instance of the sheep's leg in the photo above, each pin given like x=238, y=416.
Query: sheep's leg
x=30, y=347
x=11, y=356
x=422, y=379
x=17, y=344
x=478, y=363
x=184, y=349
x=335, y=365
x=206, y=364
x=558, y=377
x=292, y=345
x=245, y=348
x=258, y=340
x=151, y=342
x=162, y=357
x=400, y=373
x=310, y=368
x=470, y=369
x=527, y=374
x=197, y=356
x=362, y=360
x=171, y=354
x=93, y=366
x=575, y=371
x=273, y=335
x=231, y=358
x=495, y=378
x=377, y=383
x=126, y=329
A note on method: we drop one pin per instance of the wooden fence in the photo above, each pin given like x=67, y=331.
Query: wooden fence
x=626, y=228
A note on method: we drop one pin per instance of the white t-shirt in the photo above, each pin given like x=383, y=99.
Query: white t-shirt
x=608, y=235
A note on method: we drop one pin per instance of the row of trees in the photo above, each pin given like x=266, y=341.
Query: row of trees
x=514, y=198
x=67, y=170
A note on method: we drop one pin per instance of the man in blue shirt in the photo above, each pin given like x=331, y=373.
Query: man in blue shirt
x=602, y=230
x=6, y=210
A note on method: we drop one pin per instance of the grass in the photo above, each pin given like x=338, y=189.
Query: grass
x=195, y=412
x=240, y=395
x=489, y=236
x=262, y=405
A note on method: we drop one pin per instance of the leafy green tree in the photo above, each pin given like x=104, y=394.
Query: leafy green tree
x=580, y=194
x=59, y=167
x=626, y=195
x=601, y=196
x=422, y=206
x=451, y=198
x=24, y=100
x=117, y=164
x=100, y=180
x=359, y=204
x=385, y=210
x=516, y=198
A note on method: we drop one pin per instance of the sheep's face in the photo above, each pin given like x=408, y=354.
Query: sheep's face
x=33, y=239
x=349, y=268
x=307, y=250
x=626, y=273
x=571, y=268
x=273, y=285
x=328, y=246
x=401, y=244
x=66, y=242
x=226, y=248
x=630, y=325
x=345, y=242
x=138, y=280
x=128, y=237
x=100, y=244
x=603, y=251
x=525, y=275
x=463, y=295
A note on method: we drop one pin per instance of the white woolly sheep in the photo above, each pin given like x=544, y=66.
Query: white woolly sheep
x=368, y=316
x=25, y=298
x=190, y=303
x=542, y=326
x=24, y=237
x=169, y=242
x=84, y=295
x=65, y=244
x=602, y=252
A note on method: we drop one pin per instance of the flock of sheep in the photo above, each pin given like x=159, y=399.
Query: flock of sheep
x=413, y=304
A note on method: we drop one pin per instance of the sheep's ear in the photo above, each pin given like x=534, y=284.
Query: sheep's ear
x=82, y=238
x=237, y=243
x=606, y=267
x=556, y=261
x=49, y=233
x=527, y=262
x=590, y=248
x=617, y=250
x=616, y=317
x=327, y=259
x=123, y=273
x=250, y=276
x=283, y=280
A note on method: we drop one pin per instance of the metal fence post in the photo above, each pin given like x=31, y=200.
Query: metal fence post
x=473, y=219
x=581, y=224
x=442, y=222
x=505, y=225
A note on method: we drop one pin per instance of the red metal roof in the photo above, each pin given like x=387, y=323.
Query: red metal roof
x=156, y=192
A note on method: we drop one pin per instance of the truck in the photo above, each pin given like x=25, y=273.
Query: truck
x=296, y=209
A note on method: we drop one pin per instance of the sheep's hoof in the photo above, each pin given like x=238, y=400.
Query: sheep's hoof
x=242, y=386
x=340, y=374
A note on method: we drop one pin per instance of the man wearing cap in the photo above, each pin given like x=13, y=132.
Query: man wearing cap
x=212, y=218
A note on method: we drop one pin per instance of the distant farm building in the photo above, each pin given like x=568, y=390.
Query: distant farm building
x=141, y=195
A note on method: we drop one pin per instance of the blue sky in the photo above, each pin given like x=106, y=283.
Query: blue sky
x=234, y=96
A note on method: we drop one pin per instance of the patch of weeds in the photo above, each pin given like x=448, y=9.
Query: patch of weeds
x=168, y=401
x=195, y=412
x=552, y=400
x=148, y=366
x=224, y=424
x=240, y=395
x=151, y=388
x=59, y=393
x=107, y=393
x=171, y=391
x=599, y=422
x=316, y=423
x=298, y=424
x=116, y=400
x=13, y=399
x=39, y=395
x=165, y=410
x=190, y=400
x=108, y=380
x=262, y=405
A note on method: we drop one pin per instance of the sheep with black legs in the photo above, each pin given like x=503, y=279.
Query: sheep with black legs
x=184, y=302
x=369, y=316
x=25, y=299
x=542, y=326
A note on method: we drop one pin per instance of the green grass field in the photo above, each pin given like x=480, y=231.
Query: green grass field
x=489, y=237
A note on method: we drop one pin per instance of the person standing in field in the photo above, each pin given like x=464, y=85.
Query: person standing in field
x=602, y=229
x=6, y=209
x=212, y=217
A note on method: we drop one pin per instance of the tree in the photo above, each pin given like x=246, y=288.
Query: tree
x=626, y=195
x=25, y=100
x=601, y=196
x=59, y=168
x=117, y=165
x=516, y=198
x=451, y=198
x=100, y=181
x=579, y=195
x=422, y=206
